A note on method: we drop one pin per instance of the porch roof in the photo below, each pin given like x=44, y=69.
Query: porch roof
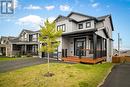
x=2, y=45
x=25, y=42
x=80, y=32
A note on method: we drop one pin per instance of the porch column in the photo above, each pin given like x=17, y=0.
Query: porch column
x=94, y=45
x=101, y=52
x=25, y=49
x=11, y=50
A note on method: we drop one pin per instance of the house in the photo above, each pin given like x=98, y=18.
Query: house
x=25, y=43
x=86, y=36
x=83, y=35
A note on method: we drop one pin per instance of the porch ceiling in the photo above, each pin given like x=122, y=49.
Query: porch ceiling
x=2, y=45
x=79, y=33
x=25, y=43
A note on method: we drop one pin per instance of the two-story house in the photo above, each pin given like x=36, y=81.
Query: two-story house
x=88, y=36
x=25, y=43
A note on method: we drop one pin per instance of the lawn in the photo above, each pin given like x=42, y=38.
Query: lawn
x=10, y=58
x=66, y=75
x=7, y=59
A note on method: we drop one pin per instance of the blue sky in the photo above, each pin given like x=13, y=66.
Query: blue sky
x=29, y=14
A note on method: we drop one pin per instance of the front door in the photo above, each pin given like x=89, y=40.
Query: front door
x=79, y=47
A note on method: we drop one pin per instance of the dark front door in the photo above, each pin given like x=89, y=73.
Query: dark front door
x=79, y=47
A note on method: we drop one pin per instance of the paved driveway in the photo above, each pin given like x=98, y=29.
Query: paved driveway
x=119, y=77
x=16, y=64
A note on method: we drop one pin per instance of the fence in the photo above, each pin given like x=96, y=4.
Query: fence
x=120, y=59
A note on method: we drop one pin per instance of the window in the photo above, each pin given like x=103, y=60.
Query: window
x=88, y=24
x=80, y=26
x=63, y=27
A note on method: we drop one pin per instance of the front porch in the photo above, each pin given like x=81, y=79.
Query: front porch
x=2, y=50
x=85, y=45
x=83, y=60
x=25, y=49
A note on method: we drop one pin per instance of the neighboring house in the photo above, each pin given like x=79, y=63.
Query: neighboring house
x=83, y=35
x=25, y=43
x=125, y=53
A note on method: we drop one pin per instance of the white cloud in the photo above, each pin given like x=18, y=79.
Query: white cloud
x=94, y=5
x=65, y=8
x=51, y=19
x=32, y=7
x=50, y=7
x=33, y=20
x=30, y=19
x=15, y=4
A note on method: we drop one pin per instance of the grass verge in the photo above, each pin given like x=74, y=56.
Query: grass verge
x=66, y=75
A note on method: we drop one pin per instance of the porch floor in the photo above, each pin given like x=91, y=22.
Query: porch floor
x=83, y=60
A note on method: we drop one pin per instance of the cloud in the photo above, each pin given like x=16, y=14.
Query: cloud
x=15, y=4
x=51, y=19
x=33, y=20
x=94, y=5
x=30, y=19
x=32, y=7
x=65, y=8
x=50, y=7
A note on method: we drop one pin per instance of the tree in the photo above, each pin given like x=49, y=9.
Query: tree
x=48, y=37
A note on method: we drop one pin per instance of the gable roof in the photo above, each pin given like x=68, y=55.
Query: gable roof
x=28, y=31
x=61, y=16
x=102, y=17
x=80, y=14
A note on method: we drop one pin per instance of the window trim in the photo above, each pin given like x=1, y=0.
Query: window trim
x=89, y=24
x=61, y=26
x=79, y=26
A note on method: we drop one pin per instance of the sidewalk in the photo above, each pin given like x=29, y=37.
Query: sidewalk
x=119, y=77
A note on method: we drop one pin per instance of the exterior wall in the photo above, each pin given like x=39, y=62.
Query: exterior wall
x=67, y=23
x=71, y=26
x=78, y=17
x=101, y=33
x=60, y=48
x=109, y=50
x=99, y=25
x=24, y=36
x=68, y=43
x=84, y=26
x=108, y=26
x=71, y=47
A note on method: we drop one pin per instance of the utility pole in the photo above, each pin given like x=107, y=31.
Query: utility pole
x=118, y=44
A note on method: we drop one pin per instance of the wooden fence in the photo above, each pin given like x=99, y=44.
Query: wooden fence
x=120, y=59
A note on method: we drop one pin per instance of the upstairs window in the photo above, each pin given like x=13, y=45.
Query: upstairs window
x=80, y=26
x=63, y=27
x=88, y=24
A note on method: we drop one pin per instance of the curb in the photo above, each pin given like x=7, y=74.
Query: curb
x=109, y=71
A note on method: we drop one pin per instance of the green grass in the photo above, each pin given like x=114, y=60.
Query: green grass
x=7, y=59
x=66, y=75
x=10, y=58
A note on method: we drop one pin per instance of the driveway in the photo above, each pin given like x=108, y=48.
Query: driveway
x=16, y=64
x=119, y=77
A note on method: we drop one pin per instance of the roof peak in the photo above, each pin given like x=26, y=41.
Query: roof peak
x=80, y=14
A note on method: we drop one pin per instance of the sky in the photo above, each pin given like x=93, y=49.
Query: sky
x=29, y=14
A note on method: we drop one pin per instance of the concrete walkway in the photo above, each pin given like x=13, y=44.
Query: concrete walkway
x=119, y=77
x=20, y=63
